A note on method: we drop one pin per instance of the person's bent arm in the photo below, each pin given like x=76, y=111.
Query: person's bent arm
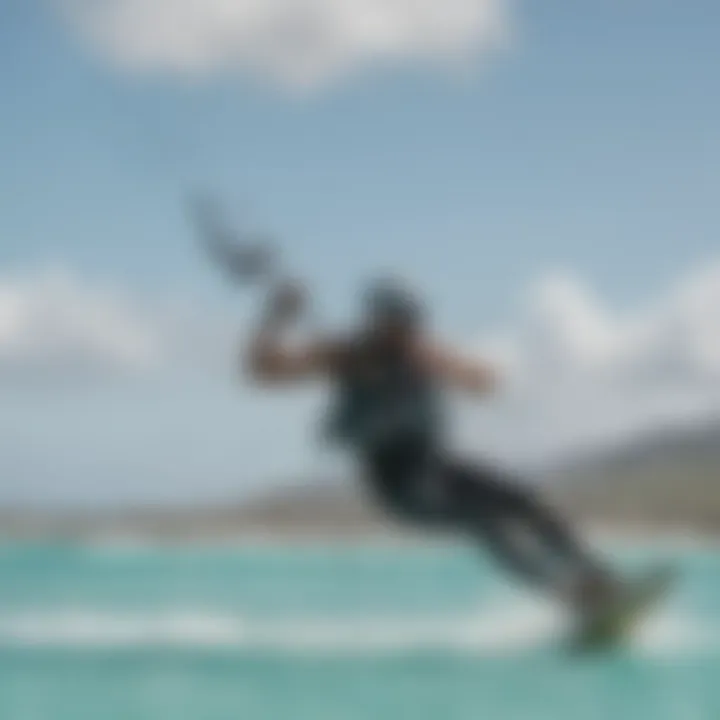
x=467, y=375
x=267, y=359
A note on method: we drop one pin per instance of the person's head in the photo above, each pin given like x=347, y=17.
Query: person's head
x=393, y=312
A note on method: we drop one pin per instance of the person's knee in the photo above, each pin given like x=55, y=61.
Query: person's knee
x=486, y=491
x=516, y=498
x=520, y=500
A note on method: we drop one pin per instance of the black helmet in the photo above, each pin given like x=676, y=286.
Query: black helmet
x=390, y=301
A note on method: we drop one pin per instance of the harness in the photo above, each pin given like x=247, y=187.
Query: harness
x=381, y=402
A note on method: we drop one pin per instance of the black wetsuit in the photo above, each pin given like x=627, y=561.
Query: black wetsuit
x=390, y=414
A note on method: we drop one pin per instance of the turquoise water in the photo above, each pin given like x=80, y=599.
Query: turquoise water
x=313, y=633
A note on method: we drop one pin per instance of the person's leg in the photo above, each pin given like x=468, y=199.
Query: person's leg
x=525, y=535
x=514, y=552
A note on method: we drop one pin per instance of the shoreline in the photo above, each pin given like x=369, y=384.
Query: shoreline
x=601, y=534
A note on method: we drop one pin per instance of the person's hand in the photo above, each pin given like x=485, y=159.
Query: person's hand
x=286, y=302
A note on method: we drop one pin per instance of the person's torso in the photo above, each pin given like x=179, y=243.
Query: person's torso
x=388, y=410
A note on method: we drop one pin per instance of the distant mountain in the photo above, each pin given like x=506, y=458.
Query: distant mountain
x=669, y=478
x=311, y=509
x=341, y=508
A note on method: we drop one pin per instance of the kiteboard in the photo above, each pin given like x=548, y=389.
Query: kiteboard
x=618, y=622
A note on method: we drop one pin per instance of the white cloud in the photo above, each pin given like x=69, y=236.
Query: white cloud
x=675, y=340
x=294, y=43
x=54, y=324
x=582, y=374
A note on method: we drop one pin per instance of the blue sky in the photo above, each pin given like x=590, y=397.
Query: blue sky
x=590, y=143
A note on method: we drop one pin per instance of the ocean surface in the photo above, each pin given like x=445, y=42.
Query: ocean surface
x=125, y=631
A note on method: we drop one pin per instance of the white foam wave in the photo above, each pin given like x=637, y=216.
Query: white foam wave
x=511, y=628
x=673, y=634
x=492, y=630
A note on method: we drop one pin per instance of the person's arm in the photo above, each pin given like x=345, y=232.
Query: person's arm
x=268, y=360
x=471, y=376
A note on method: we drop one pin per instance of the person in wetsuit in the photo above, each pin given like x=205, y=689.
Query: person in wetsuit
x=389, y=380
